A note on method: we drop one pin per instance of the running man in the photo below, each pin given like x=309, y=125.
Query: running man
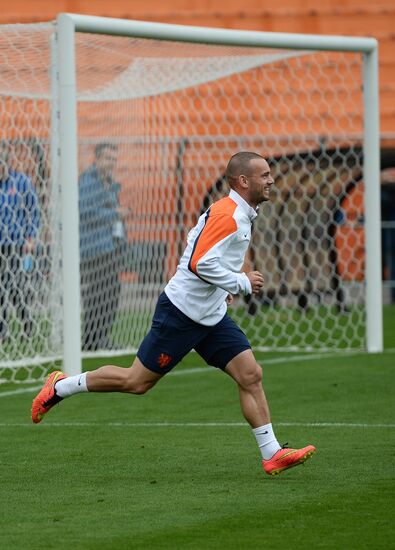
x=191, y=314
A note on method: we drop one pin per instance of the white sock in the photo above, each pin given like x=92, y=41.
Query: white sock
x=266, y=440
x=71, y=385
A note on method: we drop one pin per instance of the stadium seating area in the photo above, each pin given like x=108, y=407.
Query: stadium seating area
x=350, y=17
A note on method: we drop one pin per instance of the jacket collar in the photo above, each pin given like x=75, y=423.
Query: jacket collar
x=251, y=212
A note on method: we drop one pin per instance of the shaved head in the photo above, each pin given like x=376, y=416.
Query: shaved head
x=248, y=174
x=239, y=165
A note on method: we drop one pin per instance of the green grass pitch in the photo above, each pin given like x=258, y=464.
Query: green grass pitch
x=179, y=469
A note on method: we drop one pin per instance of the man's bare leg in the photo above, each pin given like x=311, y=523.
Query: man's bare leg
x=136, y=379
x=246, y=372
x=248, y=375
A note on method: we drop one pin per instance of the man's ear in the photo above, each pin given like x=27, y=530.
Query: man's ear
x=243, y=181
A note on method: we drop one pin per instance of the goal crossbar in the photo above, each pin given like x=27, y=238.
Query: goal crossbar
x=217, y=36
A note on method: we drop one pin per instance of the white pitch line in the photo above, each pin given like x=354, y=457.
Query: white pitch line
x=21, y=390
x=189, y=425
x=199, y=370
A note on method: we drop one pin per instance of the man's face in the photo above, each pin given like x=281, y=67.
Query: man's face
x=259, y=181
x=106, y=162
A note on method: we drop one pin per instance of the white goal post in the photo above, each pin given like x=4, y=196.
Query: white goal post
x=175, y=102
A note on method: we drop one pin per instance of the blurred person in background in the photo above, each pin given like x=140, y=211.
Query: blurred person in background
x=102, y=247
x=19, y=225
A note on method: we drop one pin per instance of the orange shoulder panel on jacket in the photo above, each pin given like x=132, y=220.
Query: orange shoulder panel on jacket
x=220, y=224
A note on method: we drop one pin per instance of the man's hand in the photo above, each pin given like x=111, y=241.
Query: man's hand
x=229, y=299
x=256, y=279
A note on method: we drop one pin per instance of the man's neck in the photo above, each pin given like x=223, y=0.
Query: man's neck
x=252, y=212
x=244, y=197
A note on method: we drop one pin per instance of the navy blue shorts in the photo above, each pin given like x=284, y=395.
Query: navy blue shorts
x=173, y=335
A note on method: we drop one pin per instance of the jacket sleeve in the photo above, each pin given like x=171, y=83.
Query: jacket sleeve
x=208, y=252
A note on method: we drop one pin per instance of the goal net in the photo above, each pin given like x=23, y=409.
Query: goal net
x=157, y=122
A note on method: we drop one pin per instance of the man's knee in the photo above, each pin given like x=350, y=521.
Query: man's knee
x=247, y=375
x=140, y=389
x=138, y=379
x=251, y=376
x=137, y=387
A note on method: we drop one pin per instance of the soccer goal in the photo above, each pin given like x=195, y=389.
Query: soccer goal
x=155, y=111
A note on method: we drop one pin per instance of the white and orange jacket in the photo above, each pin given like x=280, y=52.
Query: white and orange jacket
x=209, y=269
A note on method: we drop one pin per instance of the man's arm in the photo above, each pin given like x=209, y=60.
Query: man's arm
x=210, y=248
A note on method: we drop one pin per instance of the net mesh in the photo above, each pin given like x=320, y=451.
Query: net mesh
x=30, y=279
x=157, y=123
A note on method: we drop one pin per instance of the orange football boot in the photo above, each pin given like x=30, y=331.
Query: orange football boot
x=46, y=398
x=287, y=458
